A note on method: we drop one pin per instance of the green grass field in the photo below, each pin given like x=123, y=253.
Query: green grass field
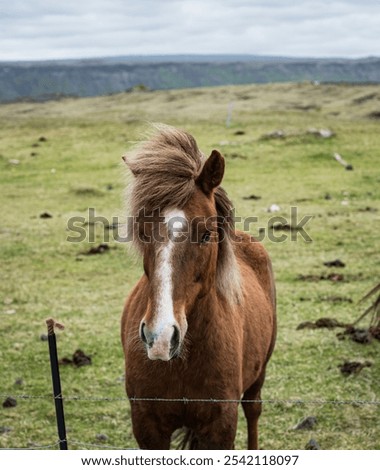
x=77, y=166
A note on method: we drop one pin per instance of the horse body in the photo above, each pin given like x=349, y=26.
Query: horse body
x=209, y=344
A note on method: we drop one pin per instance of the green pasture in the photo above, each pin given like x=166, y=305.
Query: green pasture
x=63, y=158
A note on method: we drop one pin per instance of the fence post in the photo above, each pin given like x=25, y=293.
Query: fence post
x=58, y=399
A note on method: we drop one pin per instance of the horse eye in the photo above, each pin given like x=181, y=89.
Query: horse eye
x=205, y=238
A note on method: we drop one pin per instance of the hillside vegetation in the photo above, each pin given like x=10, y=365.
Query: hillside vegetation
x=45, y=80
x=59, y=159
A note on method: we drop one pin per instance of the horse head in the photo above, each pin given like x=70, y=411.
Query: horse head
x=180, y=251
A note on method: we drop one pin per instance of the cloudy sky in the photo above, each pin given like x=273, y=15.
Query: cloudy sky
x=43, y=29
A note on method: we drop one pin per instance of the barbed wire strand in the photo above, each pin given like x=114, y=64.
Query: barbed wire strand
x=35, y=447
x=100, y=446
x=291, y=401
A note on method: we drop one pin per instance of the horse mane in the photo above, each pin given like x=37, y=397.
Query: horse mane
x=165, y=167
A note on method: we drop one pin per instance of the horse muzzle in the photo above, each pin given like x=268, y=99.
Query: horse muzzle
x=161, y=344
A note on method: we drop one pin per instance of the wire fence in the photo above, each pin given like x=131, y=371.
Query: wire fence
x=86, y=445
x=184, y=400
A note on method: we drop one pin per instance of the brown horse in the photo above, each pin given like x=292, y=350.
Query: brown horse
x=200, y=323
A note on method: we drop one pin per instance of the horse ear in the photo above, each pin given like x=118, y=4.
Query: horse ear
x=134, y=171
x=212, y=172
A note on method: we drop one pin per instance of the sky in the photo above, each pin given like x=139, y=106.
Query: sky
x=42, y=29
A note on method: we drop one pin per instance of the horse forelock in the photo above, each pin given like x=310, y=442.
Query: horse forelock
x=165, y=168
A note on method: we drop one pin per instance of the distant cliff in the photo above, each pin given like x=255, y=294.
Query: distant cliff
x=45, y=80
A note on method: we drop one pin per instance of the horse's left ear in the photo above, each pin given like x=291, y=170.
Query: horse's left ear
x=212, y=172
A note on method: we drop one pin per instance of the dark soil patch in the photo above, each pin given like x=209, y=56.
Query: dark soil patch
x=329, y=323
x=337, y=263
x=335, y=299
x=98, y=250
x=46, y=215
x=239, y=133
x=359, y=335
x=375, y=332
x=367, y=209
x=79, y=359
x=349, y=368
x=374, y=115
x=42, y=139
x=334, y=277
x=9, y=402
x=364, y=98
x=252, y=197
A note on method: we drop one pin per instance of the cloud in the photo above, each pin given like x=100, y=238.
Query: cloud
x=40, y=29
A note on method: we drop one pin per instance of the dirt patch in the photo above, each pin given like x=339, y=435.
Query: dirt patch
x=359, y=335
x=252, y=197
x=336, y=263
x=78, y=359
x=349, y=368
x=329, y=323
x=367, y=209
x=364, y=98
x=98, y=250
x=334, y=277
x=46, y=215
x=374, y=115
x=9, y=402
x=335, y=299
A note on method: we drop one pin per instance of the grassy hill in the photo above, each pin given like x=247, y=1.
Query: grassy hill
x=54, y=79
x=59, y=159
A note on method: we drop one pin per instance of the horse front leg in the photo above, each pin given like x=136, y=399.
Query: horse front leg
x=252, y=411
x=219, y=433
x=151, y=432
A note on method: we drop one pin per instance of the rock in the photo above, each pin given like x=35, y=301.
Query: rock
x=312, y=445
x=306, y=423
x=273, y=208
x=323, y=133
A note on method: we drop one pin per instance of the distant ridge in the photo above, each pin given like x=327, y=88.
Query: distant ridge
x=41, y=80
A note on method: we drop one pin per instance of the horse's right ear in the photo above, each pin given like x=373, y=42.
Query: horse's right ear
x=212, y=172
x=134, y=171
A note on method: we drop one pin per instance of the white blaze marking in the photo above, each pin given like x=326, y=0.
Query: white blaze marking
x=164, y=316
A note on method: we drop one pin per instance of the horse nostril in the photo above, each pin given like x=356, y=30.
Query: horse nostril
x=174, y=342
x=142, y=334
